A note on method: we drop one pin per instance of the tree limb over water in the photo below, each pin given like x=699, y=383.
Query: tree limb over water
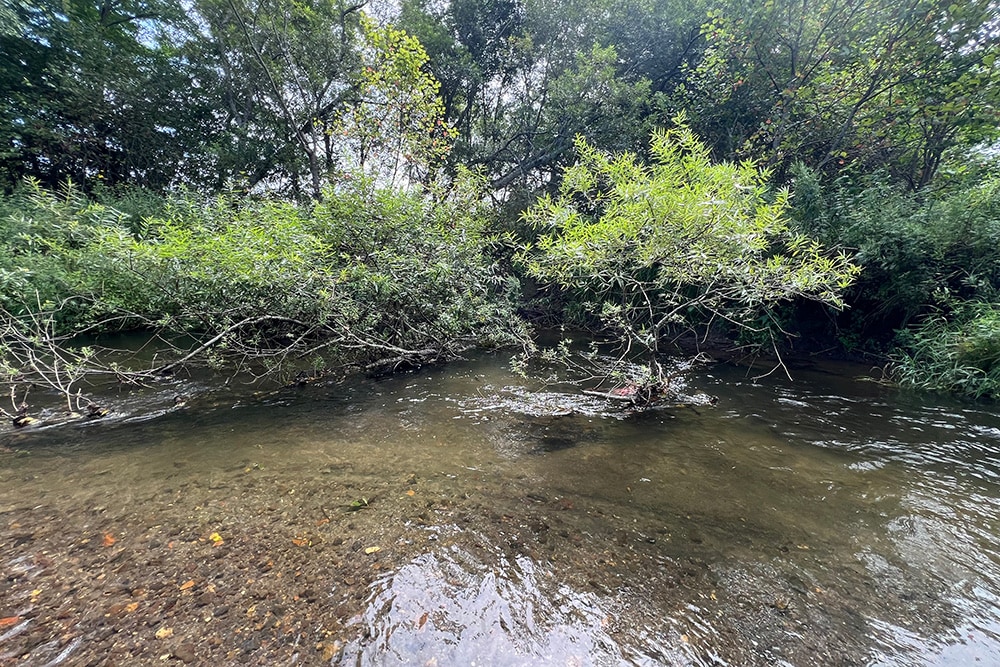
x=34, y=355
x=370, y=278
x=680, y=243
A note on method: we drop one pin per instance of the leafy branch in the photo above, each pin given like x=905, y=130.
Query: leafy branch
x=676, y=244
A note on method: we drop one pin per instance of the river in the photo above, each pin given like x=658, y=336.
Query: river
x=462, y=515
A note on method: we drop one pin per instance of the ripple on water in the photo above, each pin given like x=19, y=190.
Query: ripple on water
x=447, y=608
x=521, y=400
x=450, y=608
x=797, y=523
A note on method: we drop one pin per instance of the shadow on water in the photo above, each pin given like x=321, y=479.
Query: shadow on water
x=461, y=516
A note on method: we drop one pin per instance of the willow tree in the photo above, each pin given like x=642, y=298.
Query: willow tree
x=679, y=242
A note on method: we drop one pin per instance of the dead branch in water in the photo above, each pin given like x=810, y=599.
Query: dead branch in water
x=34, y=353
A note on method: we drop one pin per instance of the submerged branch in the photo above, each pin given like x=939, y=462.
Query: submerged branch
x=618, y=377
x=33, y=353
x=218, y=338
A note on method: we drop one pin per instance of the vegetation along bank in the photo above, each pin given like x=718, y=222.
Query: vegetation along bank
x=293, y=189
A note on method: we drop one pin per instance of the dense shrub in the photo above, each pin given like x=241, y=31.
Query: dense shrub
x=682, y=243
x=43, y=235
x=931, y=274
x=367, y=271
x=921, y=253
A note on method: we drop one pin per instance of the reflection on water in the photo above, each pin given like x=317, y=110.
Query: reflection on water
x=821, y=521
x=448, y=609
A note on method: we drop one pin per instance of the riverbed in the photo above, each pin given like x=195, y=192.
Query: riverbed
x=464, y=515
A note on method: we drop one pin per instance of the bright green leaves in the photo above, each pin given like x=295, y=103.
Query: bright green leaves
x=678, y=240
x=959, y=356
x=367, y=272
x=396, y=130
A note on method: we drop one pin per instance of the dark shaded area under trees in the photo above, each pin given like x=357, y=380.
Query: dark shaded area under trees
x=331, y=182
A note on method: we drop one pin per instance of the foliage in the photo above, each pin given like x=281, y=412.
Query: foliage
x=522, y=78
x=103, y=91
x=255, y=92
x=318, y=88
x=469, y=43
x=367, y=273
x=872, y=107
x=679, y=242
x=921, y=253
x=43, y=234
x=396, y=131
x=288, y=73
x=473, y=45
x=869, y=83
x=960, y=355
x=259, y=92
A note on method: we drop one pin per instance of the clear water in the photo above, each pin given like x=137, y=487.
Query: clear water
x=828, y=520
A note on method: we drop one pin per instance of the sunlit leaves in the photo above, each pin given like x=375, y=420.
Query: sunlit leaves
x=681, y=239
x=396, y=130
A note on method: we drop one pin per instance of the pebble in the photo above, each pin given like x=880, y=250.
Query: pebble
x=185, y=653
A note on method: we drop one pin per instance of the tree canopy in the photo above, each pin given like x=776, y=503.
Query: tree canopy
x=654, y=165
x=256, y=92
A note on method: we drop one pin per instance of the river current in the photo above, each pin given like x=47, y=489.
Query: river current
x=464, y=515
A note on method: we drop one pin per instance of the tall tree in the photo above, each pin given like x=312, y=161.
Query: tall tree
x=314, y=88
x=472, y=45
x=836, y=82
x=394, y=130
x=98, y=90
x=520, y=79
x=287, y=72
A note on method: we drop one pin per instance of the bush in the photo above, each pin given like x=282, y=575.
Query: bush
x=42, y=235
x=367, y=272
x=920, y=252
x=680, y=242
x=961, y=356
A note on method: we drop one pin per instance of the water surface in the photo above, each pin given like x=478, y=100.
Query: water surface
x=462, y=516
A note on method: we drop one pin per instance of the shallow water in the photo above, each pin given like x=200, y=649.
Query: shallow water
x=827, y=520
